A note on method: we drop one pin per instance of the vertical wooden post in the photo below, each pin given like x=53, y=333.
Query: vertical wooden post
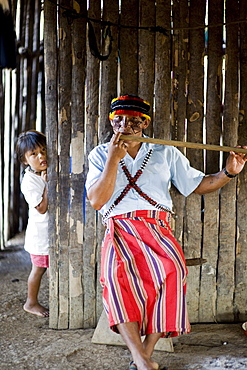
x=207, y=278
x=92, y=114
x=1, y=162
x=64, y=137
x=35, y=47
x=162, y=85
x=109, y=71
x=23, y=16
x=129, y=48
x=227, y=236
x=241, y=250
x=76, y=283
x=213, y=132
x=193, y=220
x=146, y=56
x=27, y=67
x=214, y=82
x=108, y=91
x=19, y=86
x=51, y=99
x=179, y=68
x=6, y=153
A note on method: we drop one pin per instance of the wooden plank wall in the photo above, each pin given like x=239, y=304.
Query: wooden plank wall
x=195, y=79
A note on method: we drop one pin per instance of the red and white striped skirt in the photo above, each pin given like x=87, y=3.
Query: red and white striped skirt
x=143, y=274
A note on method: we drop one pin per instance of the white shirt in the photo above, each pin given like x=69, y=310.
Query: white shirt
x=167, y=165
x=36, y=238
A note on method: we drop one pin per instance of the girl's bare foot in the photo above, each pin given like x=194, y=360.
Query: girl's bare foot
x=36, y=309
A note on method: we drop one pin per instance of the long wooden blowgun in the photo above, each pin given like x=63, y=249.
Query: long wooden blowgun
x=183, y=144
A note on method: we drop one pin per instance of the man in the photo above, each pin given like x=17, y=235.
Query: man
x=143, y=270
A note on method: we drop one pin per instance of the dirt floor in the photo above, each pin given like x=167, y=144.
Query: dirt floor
x=26, y=342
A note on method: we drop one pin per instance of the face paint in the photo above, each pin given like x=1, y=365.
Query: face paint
x=124, y=121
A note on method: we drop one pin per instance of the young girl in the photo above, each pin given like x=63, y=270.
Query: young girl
x=31, y=150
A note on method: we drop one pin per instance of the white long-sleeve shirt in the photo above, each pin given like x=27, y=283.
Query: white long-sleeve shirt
x=167, y=165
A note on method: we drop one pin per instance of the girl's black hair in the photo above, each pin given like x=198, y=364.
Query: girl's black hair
x=29, y=140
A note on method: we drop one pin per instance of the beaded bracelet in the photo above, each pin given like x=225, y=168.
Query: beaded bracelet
x=228, y=174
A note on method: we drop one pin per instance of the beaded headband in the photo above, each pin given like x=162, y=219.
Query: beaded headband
x=131, y=105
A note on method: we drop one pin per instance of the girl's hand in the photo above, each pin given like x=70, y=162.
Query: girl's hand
x=43, y=206
x=44, y=175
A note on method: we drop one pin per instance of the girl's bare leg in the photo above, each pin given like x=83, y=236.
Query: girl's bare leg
x=32, y=305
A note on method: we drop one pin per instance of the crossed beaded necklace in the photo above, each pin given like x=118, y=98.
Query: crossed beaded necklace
x=132, y=184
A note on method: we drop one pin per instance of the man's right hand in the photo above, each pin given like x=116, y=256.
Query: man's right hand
x=117, y=148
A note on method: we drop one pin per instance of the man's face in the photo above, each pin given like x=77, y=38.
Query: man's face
x=129, y=125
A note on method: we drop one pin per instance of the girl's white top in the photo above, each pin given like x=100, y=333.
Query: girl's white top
x=36, y=238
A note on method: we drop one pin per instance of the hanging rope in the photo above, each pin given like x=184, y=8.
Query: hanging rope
x=72, y=14
x=93, y=43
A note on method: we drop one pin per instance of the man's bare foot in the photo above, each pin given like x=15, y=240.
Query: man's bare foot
x=147, y=365
x=36, y=309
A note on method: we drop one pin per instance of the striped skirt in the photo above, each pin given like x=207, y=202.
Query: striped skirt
x=143, y=274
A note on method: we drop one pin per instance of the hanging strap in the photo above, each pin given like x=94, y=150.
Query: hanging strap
x=132, y=184
x=93, y=43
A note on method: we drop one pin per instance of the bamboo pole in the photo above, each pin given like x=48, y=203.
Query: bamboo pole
x=183, y=144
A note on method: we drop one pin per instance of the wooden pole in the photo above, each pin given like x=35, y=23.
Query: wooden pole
x=91, y=138
x=146, y=50
x=162, y=62
x=183, y=144
x=180, y=68
x=109, y=73
x=1, y=165
x=108, y=90
x=213, y=127
x=241, y=252
x=228, y=232
x=76, y=283
x=128, y=45
x=51, y=99
x=194, y=93
x=64, y=146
